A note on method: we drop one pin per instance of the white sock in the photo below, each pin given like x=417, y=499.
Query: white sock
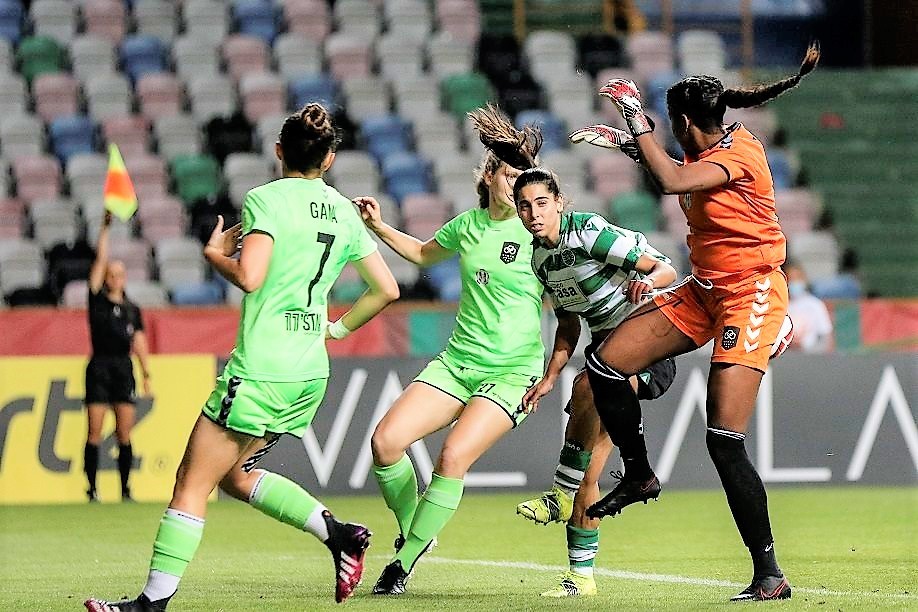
x=568, y=479
x=160, y=585
x=316, y=524
x=582, y=571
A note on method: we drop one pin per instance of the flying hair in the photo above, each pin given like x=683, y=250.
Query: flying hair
x=754, y=96
x=517, y=148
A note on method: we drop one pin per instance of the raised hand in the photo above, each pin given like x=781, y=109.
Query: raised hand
x=626, y=96
x=226, y=241
x=609, y=138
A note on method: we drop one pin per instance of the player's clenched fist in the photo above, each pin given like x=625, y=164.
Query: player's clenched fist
x=607, y=137
x=626, y=96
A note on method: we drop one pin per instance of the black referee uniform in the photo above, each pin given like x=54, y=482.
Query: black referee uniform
x=110, y=373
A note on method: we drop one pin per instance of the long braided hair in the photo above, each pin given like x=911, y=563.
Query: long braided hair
x=704, y=100
x=504, y=144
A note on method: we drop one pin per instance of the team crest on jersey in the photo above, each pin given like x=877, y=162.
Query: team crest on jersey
x=509, y=252
x=567, y=257
x=730, y=337
x=482, y=277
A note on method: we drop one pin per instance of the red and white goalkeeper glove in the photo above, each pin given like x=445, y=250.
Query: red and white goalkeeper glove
x=626, y=96
x=784, y=339
x=609, y=138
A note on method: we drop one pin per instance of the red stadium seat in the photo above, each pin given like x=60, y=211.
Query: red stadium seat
x=55, y=95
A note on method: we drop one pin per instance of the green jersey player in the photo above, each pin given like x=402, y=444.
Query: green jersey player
x=493, y=356
x=297, y=233
x=593, y=270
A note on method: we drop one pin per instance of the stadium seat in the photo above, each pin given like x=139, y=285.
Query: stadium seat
x=37, y=177
x=409, y=20
x=449, y=55
x=130, y=132
x=599, y=51
x=206, y=20
x=162, y=217
x=148, y=173
x=179, y=262
x=54, y=18
x=426, y=207
x=357, y=18
x=349, y=55
x=263, y=95
x=242, y=172
x=466, y=92
x=446, y=279
x=570, y=169
x=53, y=223
x=354, y=173
x=195, y=177
x=416, y=97
x=399, y=57
x=498, y=55
x=701, y=52
x=437, y=134
x=297, y=55
x=797, y=209
x=207, y=293
x=267, y=131
x=70, y=135
x=650, y=52
x=553, y=130
x=613, y=174
x=21, y=135
x=159, y=94
x=255, y=18
x=230, y=134
x=460, y=18
x=816, y=252
x=156, y=18
x=11, y=15
x=22, y=266
x=194, y=57
x=386, y=134
x=142, y=54
x=366, y=98
x=313, y=88
x=92, y=55
x=177, y=135
x=55, y=95
x=108, y=95
x=13, y=221
x=550, y=53
x=104, y=18
x=518, y=92
x=13, y=97
x=244, y=54
x=85, y=174
x=39, y=55
x=211, y=95
x=636, y=210
x=405, y=174
x=146, y=294
x=308, y=18
x=76, y=294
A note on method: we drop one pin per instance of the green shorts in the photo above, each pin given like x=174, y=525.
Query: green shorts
x=257, y=407
x=506, y=389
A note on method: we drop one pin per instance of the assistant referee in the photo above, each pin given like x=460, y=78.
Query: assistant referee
x=116, y=330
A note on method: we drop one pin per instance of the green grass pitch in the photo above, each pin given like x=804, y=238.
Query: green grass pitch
x=842, y=549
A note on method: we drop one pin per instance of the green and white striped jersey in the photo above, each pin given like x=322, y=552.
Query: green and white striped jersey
x=588, y=272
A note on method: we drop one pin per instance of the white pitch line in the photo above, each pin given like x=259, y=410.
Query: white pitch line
x=640, y=576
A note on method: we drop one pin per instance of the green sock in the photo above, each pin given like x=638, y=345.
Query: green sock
x=572, y=464
x=176, y=542
x=287, y=502
x=399, y=486
x=437, y=506
x=582, y=546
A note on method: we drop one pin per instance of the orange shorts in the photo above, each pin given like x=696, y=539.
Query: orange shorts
x=745, y=318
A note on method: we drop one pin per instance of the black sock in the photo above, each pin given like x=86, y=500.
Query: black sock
x=620, y=412
x=125, y=461
x=91, y=463
x=746, y=497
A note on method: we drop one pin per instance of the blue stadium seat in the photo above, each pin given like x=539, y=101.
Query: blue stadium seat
x=72, y=135
x=782, y=173
x=445, y=278
x=313, y=88
x=385, y=135
x=142, y=54
x=405, y=174
x=11, y=20
x=552, y=128
x=207, y=293
x=256, y=18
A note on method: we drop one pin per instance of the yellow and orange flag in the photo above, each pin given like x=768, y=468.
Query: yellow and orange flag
x=118, y=193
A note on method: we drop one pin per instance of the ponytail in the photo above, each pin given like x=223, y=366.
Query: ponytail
x=744, y=98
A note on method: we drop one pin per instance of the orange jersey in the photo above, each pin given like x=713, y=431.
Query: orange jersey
x=733, y=228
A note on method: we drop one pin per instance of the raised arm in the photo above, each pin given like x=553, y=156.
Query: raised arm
x=381, y=291
x=408, y=247
x=97, y=271
x=675, y=177
x=566, y=336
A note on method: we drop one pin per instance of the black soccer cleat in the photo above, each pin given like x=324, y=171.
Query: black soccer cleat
x=399, y=542
x=141, y=604
x=392, y=580
x=625, y=493
x=348, y=543
x=764, y=589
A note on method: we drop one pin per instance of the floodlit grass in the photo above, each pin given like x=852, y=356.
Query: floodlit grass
x=842, y=549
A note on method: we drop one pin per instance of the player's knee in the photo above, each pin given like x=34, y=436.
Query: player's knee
x=236, y=484
x=386, y=445
x=453, y=462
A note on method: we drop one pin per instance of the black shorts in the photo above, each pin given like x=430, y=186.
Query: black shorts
x=110, y=380
x=652, y=382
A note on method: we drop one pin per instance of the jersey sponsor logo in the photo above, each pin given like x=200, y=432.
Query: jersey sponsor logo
x=509, y=252
x=567, y=292
x=306, y=322
x=730, y=337
x=482, y=277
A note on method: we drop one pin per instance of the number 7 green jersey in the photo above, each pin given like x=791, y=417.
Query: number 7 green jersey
x=316, y=231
